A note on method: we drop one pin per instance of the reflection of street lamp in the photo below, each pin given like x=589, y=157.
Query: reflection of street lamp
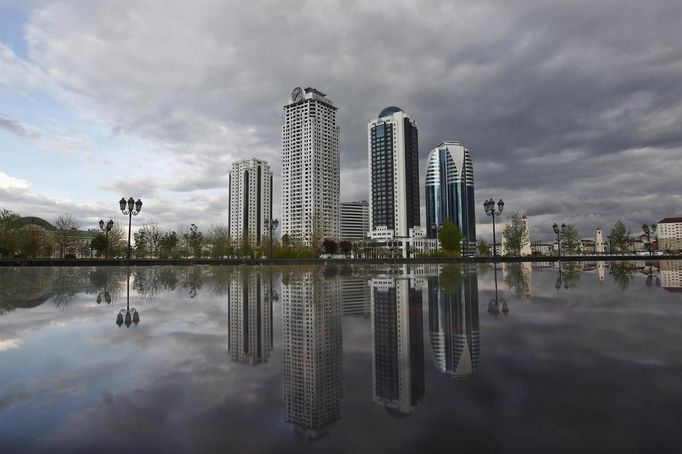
x=648, y=231
x=271, y=224
x=106, y=230
x=489, y=206
x=494, y=304
x=130, y=314
x=558, y=236
x=131, y=204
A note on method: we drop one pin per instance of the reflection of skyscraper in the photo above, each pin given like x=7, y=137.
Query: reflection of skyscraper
x=398, y=344
x=453, y=322
x=354, y=296
x=250, y=319
x=311, y=344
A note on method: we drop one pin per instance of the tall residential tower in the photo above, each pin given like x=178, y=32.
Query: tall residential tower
x=393, y=156
x=450, y=192
x=250, y=199
x=310, y=168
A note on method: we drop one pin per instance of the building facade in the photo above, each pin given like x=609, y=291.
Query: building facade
x=354, y=220
x=310, y=168
x=249, y=200
x=450, y=192
x=669, y=233
x=397, y=344
x=393, y=156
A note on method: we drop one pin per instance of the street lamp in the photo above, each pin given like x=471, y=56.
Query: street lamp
x=129, y=313
x=271, y=224
x=558, y=232
x=648, y=231
x=489, y=206
x=106, y=229
x=133, y=208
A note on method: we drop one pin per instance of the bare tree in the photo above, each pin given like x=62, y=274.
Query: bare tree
x=66, y=235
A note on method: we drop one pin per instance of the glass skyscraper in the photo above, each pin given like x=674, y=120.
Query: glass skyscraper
x=450, y=192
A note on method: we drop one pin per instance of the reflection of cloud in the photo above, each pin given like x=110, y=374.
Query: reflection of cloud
x=8, y=344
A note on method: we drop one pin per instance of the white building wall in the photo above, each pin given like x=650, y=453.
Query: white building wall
x=259, y=199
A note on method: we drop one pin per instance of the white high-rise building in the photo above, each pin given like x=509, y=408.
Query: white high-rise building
x=310, y=168
x=354, y=220
x=249, y=199
x=393, y=156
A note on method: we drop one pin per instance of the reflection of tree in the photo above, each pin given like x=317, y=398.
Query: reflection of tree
x=108, y=282
x=192, y=281
x=450, y=278
x=147, y=282
x=570, y=274
x=518, y=278
x=622, y=274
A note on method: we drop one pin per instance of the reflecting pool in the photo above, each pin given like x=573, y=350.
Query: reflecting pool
x=542, y=357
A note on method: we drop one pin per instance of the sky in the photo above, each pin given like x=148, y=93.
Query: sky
x=571, y=110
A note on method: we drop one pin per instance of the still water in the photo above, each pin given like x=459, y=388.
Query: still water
x=425, y=358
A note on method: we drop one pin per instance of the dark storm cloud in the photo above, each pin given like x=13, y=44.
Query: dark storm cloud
x=556, y=101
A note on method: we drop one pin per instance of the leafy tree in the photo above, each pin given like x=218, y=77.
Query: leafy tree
x=329, y=246
x=99, y=244
x=10, y=225
x=286, y=240
x=33, y=241
x=67, y=229
x=570, y=240
x=483, y=247
x=450, y=239
x=245, y=248
x=619, y=236
x=147, y=240
x=346, y=247
x=168, y=245
x=516, y=234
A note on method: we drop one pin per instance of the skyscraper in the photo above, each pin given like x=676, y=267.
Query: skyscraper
x=393, y=156
x=310, y=168
x=450, y=192
x=312, y=357
x=354, y=220
x=249, y=318
x=453, y=323
x=249, y=200
x=398, y=344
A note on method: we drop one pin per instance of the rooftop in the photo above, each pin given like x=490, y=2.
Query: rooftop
x=670, y=220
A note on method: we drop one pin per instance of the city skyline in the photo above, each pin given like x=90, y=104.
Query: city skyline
x=569, y=119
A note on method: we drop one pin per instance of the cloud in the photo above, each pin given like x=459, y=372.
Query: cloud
x=552, y=100
x=17, y=128
x=12, y=183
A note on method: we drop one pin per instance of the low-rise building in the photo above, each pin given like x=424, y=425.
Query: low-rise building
x=669, y=233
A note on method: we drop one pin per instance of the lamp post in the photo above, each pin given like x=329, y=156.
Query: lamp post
x=558, y=232
x=648, y=231
x=106, y=229
x=271, y=224
x=489, y=206
x=133, y=208
x=130, y=314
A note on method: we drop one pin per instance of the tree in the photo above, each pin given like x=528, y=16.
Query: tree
x=483, y=247
x=218, y=240
x=346, y=247
x=450, y=239
x=147, y=240
x=168, y=245
x=193, y=241
x=99, y=244
x=32, y=241
x=329, y=246
x=516, y=234
x=67, y=229
x=10, y=224
x=619, y=236
x=570, y=240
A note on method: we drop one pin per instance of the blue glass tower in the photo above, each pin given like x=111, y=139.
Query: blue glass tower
x=450, y=193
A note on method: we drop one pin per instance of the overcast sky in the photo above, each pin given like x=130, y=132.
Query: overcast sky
x=571, y=110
